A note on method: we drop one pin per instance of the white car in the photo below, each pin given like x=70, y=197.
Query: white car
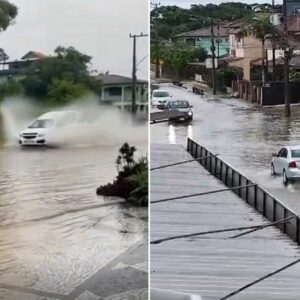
x=45, y=126
x=160, y=98
x=287, y=163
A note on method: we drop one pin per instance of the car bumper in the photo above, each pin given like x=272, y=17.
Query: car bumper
x=293, y=174
x=32, y=142
x=160, y=105
x=182, y=118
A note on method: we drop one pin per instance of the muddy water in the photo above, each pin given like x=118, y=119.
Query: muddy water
x=245, y=135
x=54, y=231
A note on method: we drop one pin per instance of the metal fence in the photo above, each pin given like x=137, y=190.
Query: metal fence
x=262, y=201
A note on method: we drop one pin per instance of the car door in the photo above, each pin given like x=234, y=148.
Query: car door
x=281, y=161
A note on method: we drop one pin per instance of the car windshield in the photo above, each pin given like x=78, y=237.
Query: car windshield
x=46, y=123
x=161, y=94
x=179, y=104
x=296, y=153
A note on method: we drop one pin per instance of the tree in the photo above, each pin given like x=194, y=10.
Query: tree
x=174, y=20
x=262, y=29
x=3, y=56
x=8, y=13
x=178, y=58
x=62, y=91
x=58, y=75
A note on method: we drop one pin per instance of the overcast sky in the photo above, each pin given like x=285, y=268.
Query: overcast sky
x=187, y=3
x=99, y=28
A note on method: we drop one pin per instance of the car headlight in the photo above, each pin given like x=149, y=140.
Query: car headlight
x=20, y=135
x=190, y=113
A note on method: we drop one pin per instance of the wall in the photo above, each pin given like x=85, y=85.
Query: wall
x=274, y=94
x=205, y=43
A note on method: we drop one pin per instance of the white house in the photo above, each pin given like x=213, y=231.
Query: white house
x=117, y=91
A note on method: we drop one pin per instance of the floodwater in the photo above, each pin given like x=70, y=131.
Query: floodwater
x=244, y=134
x=54, y=231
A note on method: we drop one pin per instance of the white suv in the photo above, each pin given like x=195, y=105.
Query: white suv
x=160, y=98
x=36, y=134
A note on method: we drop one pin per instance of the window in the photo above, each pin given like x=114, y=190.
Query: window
x=115, y=91
x=283, y=153
x=296, y=153
x=190, y=42
x=42, y=124
x=179, y=104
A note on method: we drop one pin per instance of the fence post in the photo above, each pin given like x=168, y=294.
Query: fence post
x=221, y=170
x=264, y=204
x=226, y=174
x=189, y=145
x=246, y=196
x=297, y=230
x=284, y=216
x=274, y=209
x=255, y=197
x=240, y=182
x=216, y=165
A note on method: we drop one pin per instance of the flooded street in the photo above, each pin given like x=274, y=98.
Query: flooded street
x=55, y=232
x=243, y=134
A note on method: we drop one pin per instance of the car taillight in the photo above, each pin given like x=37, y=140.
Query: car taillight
x=292, y=164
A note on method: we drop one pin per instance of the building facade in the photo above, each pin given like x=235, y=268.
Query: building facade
x=202, y=38
x=117, y=91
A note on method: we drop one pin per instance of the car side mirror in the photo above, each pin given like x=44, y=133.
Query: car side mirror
x=274, y=154
x=191, y=106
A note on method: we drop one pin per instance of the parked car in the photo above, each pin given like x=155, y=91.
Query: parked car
x=182, y=106
x=36, y=134
x=287, y=163
x=160, y=98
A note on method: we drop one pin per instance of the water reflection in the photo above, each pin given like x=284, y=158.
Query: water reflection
x=190, y=131
x=54, y=230
x=172, y=134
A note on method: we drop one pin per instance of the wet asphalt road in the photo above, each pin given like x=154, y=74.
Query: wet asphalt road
x=55, y=233
x=244, y=134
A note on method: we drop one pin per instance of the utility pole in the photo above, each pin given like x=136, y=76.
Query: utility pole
x=213, y=48
x=157, y=60
x=218, y=40
x=273, y=45
x=286, y=62
x=133, y=89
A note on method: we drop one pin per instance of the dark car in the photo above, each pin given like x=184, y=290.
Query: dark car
x=183, y=107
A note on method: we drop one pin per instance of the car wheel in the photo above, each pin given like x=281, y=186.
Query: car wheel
x=285, y=179
x=273, y=173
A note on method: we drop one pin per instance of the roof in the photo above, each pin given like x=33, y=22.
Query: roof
x=294, y=62
x=205, y=32
x=212, y=265
x=111, y=79
x=33, y=55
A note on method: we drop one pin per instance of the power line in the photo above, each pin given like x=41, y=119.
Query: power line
x=142, y=60
x=261, y=279
x=183, y=162
x=176, y=237
x=204, y=193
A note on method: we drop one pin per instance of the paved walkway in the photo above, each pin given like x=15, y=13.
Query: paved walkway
x=212, y=265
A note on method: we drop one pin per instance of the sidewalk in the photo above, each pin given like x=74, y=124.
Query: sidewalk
x=213, y=265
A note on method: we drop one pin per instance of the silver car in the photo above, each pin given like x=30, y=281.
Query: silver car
x=182, y=106
x=287, y=163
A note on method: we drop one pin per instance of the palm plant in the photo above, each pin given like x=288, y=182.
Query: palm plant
x=139, y=194
x=262, y=29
